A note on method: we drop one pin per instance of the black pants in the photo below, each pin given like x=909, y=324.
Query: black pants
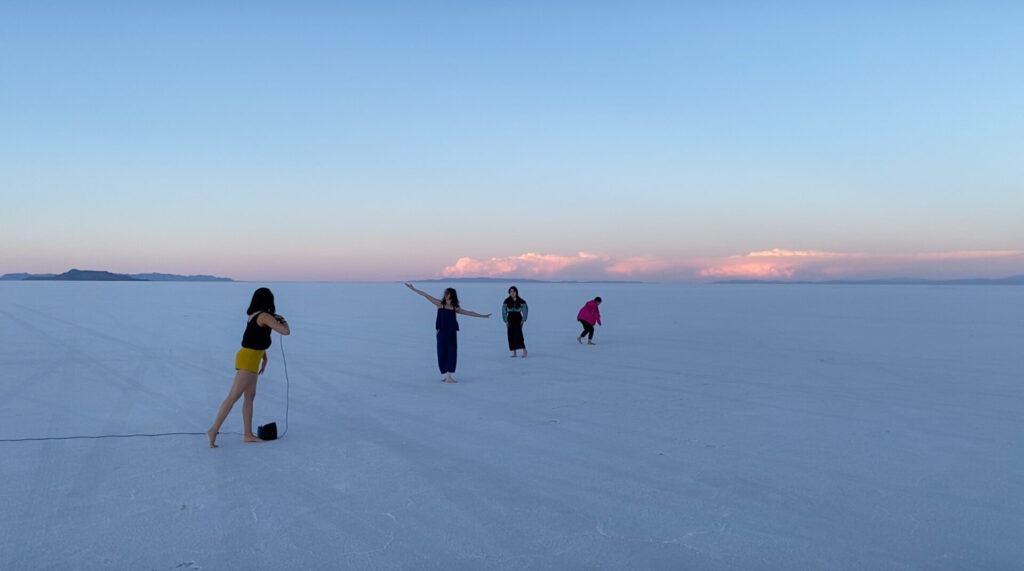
x=515, y=332
x=588, y=330
x=447, y=351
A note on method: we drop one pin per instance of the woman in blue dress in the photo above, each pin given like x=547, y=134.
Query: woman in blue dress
x=447, y=327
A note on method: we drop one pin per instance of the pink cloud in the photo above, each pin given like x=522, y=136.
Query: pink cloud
x=777, y=253
x=775, y=264
x=530, y=264
x=749, y=270
x=812, y=265
x=767, y=264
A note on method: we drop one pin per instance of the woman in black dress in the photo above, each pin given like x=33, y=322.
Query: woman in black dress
x=513, y=312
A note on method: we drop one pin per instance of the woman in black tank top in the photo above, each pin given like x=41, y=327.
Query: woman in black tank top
x=250, y=362
x=256, y=336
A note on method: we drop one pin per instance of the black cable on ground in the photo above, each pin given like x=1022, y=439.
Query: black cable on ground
x=287, y=391
x=100, y=436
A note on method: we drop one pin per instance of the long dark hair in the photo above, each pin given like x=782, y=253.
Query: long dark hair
x=517, y=302
x=455, y=297
x=262, y=300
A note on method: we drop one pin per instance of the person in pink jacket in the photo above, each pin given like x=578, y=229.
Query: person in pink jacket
x=588, y=316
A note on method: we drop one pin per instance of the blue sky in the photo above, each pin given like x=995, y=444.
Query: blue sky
x=400, y=140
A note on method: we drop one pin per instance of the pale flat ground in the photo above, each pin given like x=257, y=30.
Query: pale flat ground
x=712, y=427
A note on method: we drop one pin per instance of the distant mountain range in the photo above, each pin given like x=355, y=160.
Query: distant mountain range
x=104, y=276
x=1012, y=280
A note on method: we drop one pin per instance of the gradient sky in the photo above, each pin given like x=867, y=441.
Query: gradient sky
x=663, y=141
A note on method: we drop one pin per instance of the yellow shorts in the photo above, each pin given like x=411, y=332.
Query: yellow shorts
x=249, y=360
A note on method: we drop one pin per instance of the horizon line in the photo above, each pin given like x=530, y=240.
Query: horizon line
x=1016, y=279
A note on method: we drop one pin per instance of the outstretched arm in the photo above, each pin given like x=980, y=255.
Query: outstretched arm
x=431, y=298
x=471, y=313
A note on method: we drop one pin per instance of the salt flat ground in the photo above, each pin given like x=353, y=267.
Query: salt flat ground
x=711, y=427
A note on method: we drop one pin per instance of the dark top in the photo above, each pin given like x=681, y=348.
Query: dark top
x=517, y=305
x=446, y=321
x=256, y=336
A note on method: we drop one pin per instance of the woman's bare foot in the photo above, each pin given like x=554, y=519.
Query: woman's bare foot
x=212, y=436
x=252, y=438
x=591, y=343
x=513, y=355
x=449, y=379
x=524, y=353
x=579, y=339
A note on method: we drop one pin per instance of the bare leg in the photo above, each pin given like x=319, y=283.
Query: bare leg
x=250, y=396
x=449, y=378
x=242, y=379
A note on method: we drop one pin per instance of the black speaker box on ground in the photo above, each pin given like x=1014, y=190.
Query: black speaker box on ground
x=267, y=431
